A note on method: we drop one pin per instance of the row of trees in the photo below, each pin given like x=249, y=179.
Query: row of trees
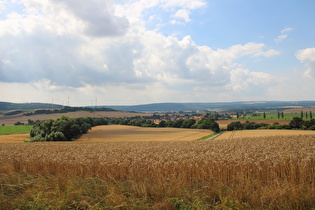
x=296, y=123
x=67, y=109
x=204, y=123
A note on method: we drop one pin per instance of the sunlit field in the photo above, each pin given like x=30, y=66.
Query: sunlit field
x=260, y=173
x=262, y=133
x=122, y=133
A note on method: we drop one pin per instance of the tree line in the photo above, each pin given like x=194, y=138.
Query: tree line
x=69, y=129
x=67, y=109
x=295, y=123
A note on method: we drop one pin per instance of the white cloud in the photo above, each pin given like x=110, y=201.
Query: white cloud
x=2, y=5
x=182, y=14
x=98, y=16
x=286, y=30
x=307, y=57
x=283, y=35
x=245, y=80
x=95, y=51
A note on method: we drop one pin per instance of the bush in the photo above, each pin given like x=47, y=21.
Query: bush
x=37, y=138
x=56, y=136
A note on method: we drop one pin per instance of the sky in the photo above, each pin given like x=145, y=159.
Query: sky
x=127, y=52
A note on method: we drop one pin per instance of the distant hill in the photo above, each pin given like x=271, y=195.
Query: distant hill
x=220, y=106
x=4, y=106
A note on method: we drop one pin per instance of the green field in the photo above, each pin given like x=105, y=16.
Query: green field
x=15, y=129
x=271, y=116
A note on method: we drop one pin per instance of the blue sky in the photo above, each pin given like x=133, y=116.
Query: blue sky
x=150, y=51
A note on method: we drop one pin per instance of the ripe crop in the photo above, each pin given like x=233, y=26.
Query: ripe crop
x=261, y=173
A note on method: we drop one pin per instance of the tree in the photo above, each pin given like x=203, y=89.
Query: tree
x=282, y=115
x=302, y=114
x=188, y=123
x=311, y=115
x=235, y=126
x=278, y=115
x=162, y=123
x=296, y=122
x=264, y=115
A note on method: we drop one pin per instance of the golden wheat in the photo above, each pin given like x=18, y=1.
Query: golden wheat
x=270, y=172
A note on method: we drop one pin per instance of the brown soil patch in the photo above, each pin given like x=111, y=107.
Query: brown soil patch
x=121, y=133
x=14, y=138
x=262, y=133
x=297, y=111
x=10, y=120
x=224, y=123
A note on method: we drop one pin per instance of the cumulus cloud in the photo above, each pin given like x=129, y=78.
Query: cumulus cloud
x=307, y=57
x=92, y=47
x=135, y=11
x=182, y=14
x=2, y=5
x=98, y=16
x=245, y=80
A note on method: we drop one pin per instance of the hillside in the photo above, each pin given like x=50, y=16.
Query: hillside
x=219, y=106
x=5, y=106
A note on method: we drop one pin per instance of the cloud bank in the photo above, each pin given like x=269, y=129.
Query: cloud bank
x=104, y=48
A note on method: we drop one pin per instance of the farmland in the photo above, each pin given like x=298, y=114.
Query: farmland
x=10, y=120
x=120, y=133
x=260, y=173
x=5, y=130
x=262, y=133
x=224, y=123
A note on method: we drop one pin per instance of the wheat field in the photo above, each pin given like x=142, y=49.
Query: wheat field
x=276, y=172
x=123, y=133
x=262, y=133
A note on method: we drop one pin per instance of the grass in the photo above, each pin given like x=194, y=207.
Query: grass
x=15, y=129
x=250, y=173
x=271, y=116
x=206, y=137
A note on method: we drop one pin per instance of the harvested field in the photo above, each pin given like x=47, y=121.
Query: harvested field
x=10, y=120
x=251, y=173
x=224, y=123
x=14, y=138
x=121, y=133
x=262, y=133
x=298, y=111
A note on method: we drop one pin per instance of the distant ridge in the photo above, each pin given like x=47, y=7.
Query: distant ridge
x=219, y=106
x=4, y=106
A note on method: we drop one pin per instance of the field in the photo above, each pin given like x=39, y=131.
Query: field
x=299, y=110
x=224, y=123
x=249, y=173
x=10, y=120
x=121, y=133
x=262, y=133
x=5, y=130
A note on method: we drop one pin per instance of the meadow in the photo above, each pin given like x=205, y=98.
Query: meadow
x=15, y=129
x=275, y=172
